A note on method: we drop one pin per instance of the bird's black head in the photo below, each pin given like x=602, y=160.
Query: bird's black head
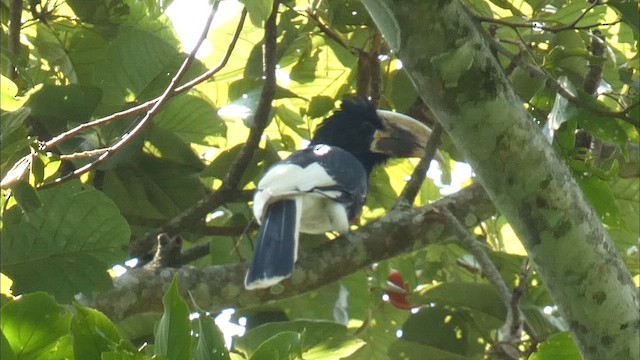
x=372, y=136
x=352, y=129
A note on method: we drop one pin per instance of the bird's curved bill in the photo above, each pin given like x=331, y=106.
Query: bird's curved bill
x=402, y=136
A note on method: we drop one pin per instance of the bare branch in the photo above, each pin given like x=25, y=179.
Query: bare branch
x=410, y=191
x=594, y=75
x=236, y=170
x=146, y=120
x=511, y=330
x=147, y=105
x=554, y=85
x=15, y=18
x=536, y=25
x=313, y=15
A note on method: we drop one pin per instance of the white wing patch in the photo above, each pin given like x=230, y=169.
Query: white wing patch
x=287, y=180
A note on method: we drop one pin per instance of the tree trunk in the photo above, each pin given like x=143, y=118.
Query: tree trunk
x=447, y=56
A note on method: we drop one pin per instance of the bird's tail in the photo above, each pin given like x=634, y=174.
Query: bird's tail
x=277, y=245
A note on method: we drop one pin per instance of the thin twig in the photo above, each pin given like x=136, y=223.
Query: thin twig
x=594, y=74
x=554, y=85
x=515, y=318
x=15, y=17
x=146, y=120
x=236, y=170
x=313, y=15
x=410, y=191
x=147, y=105
x=554, y=29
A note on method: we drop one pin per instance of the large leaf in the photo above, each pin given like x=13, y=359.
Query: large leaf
x=51, y=47
x=123, y=80
x=173, y=336
x=558, y=346
x=8, y=92
x=13, y=138
x=442, y=328
x=58, y=108
x=283, y=345
x=408, y=350
x=153, y=188
x=194, y=119
x=66, y=246
x=485, y=298
x=100, y=12
x=210, y=341
x=379, y=330
x=340, y=302
x=93, y=333
x=315, y=332
x=34, y=326
x=259, y=10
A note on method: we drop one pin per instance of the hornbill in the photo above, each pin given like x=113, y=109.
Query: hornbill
x=324, y=186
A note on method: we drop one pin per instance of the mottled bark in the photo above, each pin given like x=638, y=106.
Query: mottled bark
x=217, y=287
x=449, y=61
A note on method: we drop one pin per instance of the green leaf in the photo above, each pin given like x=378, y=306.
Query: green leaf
x=334, y=348
x=124, y=81
x=219, y=167
x=8, y=92
x=259, y=10
x=93, y=333
x=26, y=196
x=6, y=352
x=100, y=11
x=58, y=107
x=168, y=146
x=315, y=332
x=14, y=143
x=194, y=119
x=153, y=188
x=629, y=12
x=485, y=299
x=401, y=92
x=51, y=47
x=66, y=246
x=173, y=335
x=210, y=340
x=409, y=350
x=139, y=326
x=26, y=330
x=444, y=329
x=380, y=331
x=124, y=355
x=558, y=346
x=341, y=301
x=320, y=106
x=601, y=198
x=284, y=345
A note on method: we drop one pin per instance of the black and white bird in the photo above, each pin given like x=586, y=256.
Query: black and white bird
x=323, y=187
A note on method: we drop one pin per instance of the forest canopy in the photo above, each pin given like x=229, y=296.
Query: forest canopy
x=112, y=132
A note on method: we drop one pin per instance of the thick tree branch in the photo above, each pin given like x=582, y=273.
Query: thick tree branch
x=217, y=287
x=448, y=57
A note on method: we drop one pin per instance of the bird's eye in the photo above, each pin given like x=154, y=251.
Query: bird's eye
x=321, y=150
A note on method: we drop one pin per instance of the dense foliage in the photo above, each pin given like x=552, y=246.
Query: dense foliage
x=92, y=170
